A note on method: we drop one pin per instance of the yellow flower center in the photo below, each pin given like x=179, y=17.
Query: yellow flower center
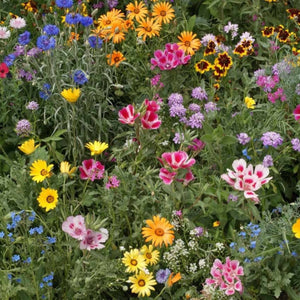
x=159, y=232
x=44, y=172
x=133, y=262
x=148, y=255
x=50, y=199
x=141, y=282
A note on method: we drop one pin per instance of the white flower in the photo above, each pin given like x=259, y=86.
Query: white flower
x=17, y=23
x=220, y=246
x=165, y=143
x=4, y=33
x=202, y=263
x=192, y=268
x=192, y=244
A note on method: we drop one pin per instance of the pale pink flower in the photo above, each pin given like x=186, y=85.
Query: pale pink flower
x=150, y=120
x=4, y=33
x=75, y=227
x=94, y=240
x=17, y=23
x=91, y=169
x=127, y=115
x=177, y=160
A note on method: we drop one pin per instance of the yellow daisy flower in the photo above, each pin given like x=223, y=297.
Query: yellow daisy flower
x=137, y=10
x=39, y=170
x=163, y=12
x=134, y=261
x=96, y=147
x=216, y=224
x=71, y=95
x=151, y=256
x=65, y=168
x=250, y=102
x=148, y=28
x=28, y=147
x=296, y=229
x=142, y=284
x=48, y=198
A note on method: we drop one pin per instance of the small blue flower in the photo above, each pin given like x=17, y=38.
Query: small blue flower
x=9, y=59
x=18, y=280
x=95, y=42
x=51, y=240
x=79, y=77
x=294, y=253
x=86, y=21
x=2, y=234
x=41, y=285
x=252, y=244
x=28, y=260
x=245, y=153
x=46, y=43
x=51, y=29
x=32, y=231
x=45, y=93
x=49, y=284
x=9, y=226
x=31, y=218
x=24, y=38
x=247, y=260
x=64, y=3
x=242, y=250
x=39, y=229
x=9, y=276
x=72, y=19
x=232, y=245
x=15, y=258
x=256, y=259
x=43, y=252
x=242, y=233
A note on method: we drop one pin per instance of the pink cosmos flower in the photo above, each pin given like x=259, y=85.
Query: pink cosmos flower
x=166, y=176
x=127, y=116
x=243, y=178
x=151, y=105
x=150, y=120
x=226, y=276
x=296, y=113
x=94, y=240
x=177, y=160
x=91, y=170
x=75, y=227
x=17, y=23
x=4, y=33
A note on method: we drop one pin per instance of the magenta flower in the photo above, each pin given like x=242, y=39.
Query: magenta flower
x=226, y=276
x=94, y=240
x=243, y=178
x=75, y=227
x=177, y=160
x=152, y=105
x=197, y=145
x=91, y=170
x=150, y=120
x=127, y=116
x=112, y=182
x=296, y=113
x=166, y=176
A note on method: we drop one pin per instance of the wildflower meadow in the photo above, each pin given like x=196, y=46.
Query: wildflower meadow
x=150, y=149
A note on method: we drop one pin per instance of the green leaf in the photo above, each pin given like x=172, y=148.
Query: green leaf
x=191, y=23
x=207, y=138
x=228, y=140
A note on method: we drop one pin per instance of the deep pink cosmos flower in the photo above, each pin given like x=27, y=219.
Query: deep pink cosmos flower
x=127, y=115
x=91, y=169
x=177, y=160
x=94, y=240
x=243, y=178
x=166, y=176
x=226, y=276
x=150, y=120
x=75, y=227
x=151, y=105
x=296, y=113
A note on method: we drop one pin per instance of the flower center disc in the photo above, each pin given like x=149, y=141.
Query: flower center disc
x=44, y=172
x=187, y=44
x=159, y=232
x=133, y=262
x=136, y=11
x=148, y=28
x=163, y=13
x=50, y=199
x=141, y=282
x=148, y=255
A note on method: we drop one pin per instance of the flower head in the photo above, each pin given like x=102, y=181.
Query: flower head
x=243, y=138
x=115, y=58
x=17, y=23
x=296, y=112
x=134, y=261
x=94, y=240
x=39, y=170
x=28, y=147
x=32, y=105
x=71, y=95
x=91, y=170
x=3, y=70
x=48, y=198
x=162, y=275
x=80, y=77
x=4, y=33
x=296, y=228
x=23, y=128
x=163, y=12
x=151, y=256
x=96, y=147
x=142, y=284
x=173, y=278
x=188, y=42
x=127, y=115
x=271, y=138
x=250, y=103
x=148, y=28
x=65, y=168
x=44, y=42
x=158, y=232
x=64, y=3
x=75, y=227
x=137, y=10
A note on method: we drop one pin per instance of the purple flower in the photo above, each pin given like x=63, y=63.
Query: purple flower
x=112, y=3
x=162, y=275
x=194, y=107
x=199, y=93
x=210, y=106
x=113, y=182
x=232, y=197
x=198, y=231
x=23, y=128
x=271, y=138
x=34, y=52
x=24, y=38
x=197, y=145
x=177, y=110
x=296, y=144
x=243, y=138
x=175, y=98
x=178, y=138
x=32, y=105
x=268, y=161
x=19, y=50
x=195, y=120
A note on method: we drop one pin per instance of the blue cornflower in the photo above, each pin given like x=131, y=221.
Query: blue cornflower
x=258, y=258
x=247, y=260
x=51, y=29
x=31, y=218
x=45, y=42
x=9, y=59
x=162, y=275
x=15, y=258
x=72, y=19
x=51, y=240
x=252, y=244
x=242, y=250
x=245, y=153
x=242, y=233
x=232, y=245
x=39, y=229
x=27, y=260
x=80, y=77
x=45, y=93
x=95, y=42
x=24, y=38
x=86, y=21
x=32, y=231
x=2, y=234
x=64, y=3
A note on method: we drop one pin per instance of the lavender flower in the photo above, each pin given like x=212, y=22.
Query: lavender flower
x=271, y=138
x=175, y=98
x=195, y=120
x=23, y=128
x=162, y=275
x=33, y=52
x=233, y=28
x=268, y=161
x=232, y=197
x=296, y=144
x=243, y=138
x=281, y=68
x=178, y=138
x=194, y=107
x=199, y=93
x=32, y=105
x=177, y=110
x=210, y=106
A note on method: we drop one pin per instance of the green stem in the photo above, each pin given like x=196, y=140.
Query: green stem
x=160, y=293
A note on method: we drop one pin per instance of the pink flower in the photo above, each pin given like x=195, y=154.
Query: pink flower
x=166, y=176
x=243, y=178
x=112, y=182
x=197, y=145
x=151, y=105
x=75, y=227
x=17, y=23
x=127, y=116
x=296, y=112
x=91, y=170
x=226, y=276
x=94, y=240
x=150, y=120
x=177, y=160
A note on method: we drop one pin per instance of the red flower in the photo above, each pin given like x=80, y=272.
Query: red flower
x=150, y=120
x=3, y=70
x=297, y=112
x=127, y=116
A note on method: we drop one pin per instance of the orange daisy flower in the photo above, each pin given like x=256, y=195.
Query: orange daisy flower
x=128, y=24
x=116, y=32
x=148, y=28
x=159, y=231
x=189, y=43
x=137, y=10
x=163, y=12
x=115, y=58
x=73, y=37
